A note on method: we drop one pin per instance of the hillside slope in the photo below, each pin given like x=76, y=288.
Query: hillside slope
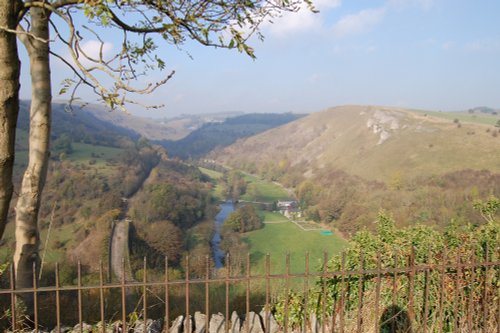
x=374, y=143
x=157, y=129
x=348, y=162
x=221, y=134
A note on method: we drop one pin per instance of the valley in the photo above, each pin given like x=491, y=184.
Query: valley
x=291, y=196
x=280, y=235
x=347, y=163
x=340, y=166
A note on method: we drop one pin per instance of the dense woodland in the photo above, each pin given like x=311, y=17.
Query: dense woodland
x=172, y=216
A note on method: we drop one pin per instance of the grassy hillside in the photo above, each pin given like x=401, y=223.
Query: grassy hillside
x=375, y=143
x=157, y=129
x=263, y=191
x=346, y=163
x=81, y=125
x=475, y=117
x=221, y=134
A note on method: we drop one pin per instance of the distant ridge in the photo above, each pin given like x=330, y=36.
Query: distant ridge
x=166, y=128
x=216, y=135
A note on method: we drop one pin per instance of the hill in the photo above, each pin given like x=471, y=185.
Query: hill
x=99, y=173
x=82, y=125
x=347, y=162
x=158, y=129
x=221, y=134
x=371, y=142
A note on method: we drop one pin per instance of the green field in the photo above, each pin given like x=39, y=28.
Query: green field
x=95, y=156
x=279, y=239
x=279, y=236
x=465, y=117
x=215, y=176
x=84, y=152
x=263, y=190
x=61, y=238
x=211, y=173
x=271, y=217
x=257, y=189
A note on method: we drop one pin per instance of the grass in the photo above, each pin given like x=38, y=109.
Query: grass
x=215, y=175
x=264, y=191
x=63, y=235
x=84, y=153
x=338, y=139
x=257, y=189
x=279, y=239
x=271, y=217
x=466, y=117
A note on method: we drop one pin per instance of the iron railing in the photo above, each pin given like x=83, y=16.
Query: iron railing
x=452, y=295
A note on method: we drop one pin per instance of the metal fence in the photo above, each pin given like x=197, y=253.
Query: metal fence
x=442, y=295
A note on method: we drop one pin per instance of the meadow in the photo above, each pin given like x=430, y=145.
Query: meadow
x=280, y=239
x=263, y=191
x=463, y=116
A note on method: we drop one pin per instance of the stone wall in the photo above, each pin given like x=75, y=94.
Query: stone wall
x=197, y=324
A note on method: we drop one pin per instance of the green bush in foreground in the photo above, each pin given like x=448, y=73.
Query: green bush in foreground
x=453, y=297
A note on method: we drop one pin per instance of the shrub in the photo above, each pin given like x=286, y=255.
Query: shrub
x=392, y=247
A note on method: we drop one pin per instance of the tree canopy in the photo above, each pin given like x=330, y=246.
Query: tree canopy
x=244, y=219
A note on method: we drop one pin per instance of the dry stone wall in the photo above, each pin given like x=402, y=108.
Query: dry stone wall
x=255, y=323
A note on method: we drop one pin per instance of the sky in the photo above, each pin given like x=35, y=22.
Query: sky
x=425, y=54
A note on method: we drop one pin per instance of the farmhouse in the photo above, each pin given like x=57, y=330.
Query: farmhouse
x=289, y=208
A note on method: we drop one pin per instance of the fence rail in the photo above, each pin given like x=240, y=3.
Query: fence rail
x=453, y=295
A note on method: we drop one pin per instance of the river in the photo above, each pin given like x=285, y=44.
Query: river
x=226, y=208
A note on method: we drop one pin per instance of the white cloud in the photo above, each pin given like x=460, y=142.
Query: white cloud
x=303, y=20
x=92, y=48
x=357, y=23
x=326, y=4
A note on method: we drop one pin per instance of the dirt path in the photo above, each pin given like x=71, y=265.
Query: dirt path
x=118, y=250
x=118, y=245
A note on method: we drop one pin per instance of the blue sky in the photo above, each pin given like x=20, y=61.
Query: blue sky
x=426, y=54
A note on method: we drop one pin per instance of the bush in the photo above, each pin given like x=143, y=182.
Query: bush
x=244, y=219
x=392, y=247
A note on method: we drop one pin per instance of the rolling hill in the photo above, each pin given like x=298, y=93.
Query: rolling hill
x=373, y=143
x=158, y=129
x=223, y=133
x=347, y=162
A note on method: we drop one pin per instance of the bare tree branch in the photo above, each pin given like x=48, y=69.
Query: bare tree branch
x=72, y=68
x=22, y=32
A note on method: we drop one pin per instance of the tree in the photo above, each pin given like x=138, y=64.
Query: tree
x=244, y=219
x=226, y=24
x=63, y=144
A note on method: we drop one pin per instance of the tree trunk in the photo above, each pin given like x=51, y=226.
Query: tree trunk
x=9, y=105
x=28, y=204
